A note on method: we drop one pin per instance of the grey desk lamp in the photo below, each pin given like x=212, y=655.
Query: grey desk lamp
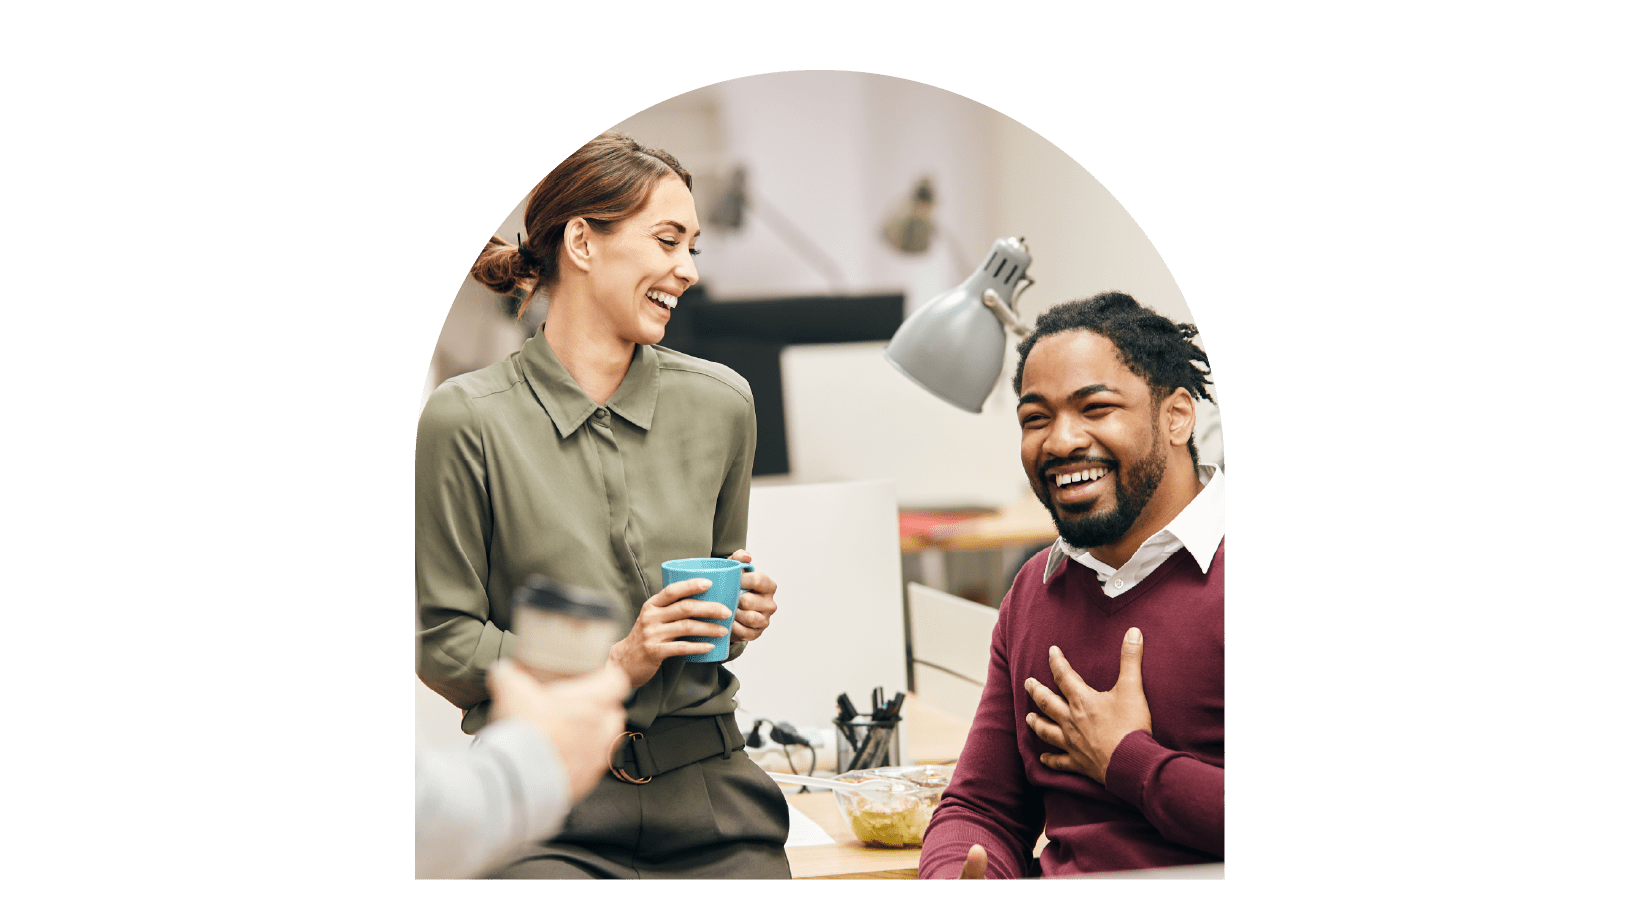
x=953, y=346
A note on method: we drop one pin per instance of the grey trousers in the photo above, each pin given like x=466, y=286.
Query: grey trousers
x=716, y=818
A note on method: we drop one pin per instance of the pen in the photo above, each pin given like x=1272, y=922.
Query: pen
x=886, y=721
x=845, y=716
x=862, y=754
x=879, y=748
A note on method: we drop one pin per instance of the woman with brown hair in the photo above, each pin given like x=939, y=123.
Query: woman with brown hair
x=590, y=456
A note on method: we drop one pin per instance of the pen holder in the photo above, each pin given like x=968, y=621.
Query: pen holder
x=879, y=744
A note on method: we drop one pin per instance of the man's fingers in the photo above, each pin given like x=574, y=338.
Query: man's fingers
x=503, y=675
x=1052, y=734
x=611, y=682
x=607, y=684
x=974, y=865
x=1051, y=704
x=1068, y=679
x=1059, y=761
x=1133, y=651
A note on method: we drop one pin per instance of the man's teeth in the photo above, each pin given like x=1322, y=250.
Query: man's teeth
x=664, y=300
x=1091, y=474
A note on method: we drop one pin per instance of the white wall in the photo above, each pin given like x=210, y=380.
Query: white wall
x=1082, y=240
x=834, y=152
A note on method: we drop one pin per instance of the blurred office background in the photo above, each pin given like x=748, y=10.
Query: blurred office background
x=833, y=204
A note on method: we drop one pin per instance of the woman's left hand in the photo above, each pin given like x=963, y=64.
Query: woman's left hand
x=756, y=602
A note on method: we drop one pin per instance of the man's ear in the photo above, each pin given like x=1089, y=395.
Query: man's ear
x=578, y=244
x=1178, y=417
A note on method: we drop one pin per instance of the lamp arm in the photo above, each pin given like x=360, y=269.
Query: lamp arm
x=1005, y=314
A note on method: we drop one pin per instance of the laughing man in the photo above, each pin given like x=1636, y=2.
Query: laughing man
x=1102, y=721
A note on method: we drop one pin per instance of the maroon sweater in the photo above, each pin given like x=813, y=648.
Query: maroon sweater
x=1163, y=801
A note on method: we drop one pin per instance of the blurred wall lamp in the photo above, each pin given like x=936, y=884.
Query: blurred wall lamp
x=954, y=345
x=911, y=227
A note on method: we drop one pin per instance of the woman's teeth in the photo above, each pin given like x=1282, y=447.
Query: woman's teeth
x=664, y=300
x=1092, y=474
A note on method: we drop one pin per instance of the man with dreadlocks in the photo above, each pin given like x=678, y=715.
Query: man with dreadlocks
x=1132, y=776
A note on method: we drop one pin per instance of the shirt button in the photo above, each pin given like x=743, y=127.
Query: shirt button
x=600, y=413
x=1118, y=584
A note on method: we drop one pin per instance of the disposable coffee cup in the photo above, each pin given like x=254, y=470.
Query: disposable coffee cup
x=725, y=577
x=562, y=631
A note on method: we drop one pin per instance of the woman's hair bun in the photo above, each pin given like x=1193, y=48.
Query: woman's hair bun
x=503, y=267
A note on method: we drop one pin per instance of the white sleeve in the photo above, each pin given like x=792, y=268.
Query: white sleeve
x=476, y=807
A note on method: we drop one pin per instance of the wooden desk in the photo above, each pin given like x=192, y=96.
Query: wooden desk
x=927, y=735
x=847, y=857
x=1024, y=523
x=930, y=534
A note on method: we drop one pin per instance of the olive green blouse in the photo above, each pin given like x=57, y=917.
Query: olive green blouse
x=518, y=472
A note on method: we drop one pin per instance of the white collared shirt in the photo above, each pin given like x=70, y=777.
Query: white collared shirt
x=1198, y=528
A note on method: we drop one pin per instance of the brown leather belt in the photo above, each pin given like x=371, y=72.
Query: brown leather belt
x=671, y=743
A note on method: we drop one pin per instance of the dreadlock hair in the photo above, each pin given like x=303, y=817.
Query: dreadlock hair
x=1153, y=347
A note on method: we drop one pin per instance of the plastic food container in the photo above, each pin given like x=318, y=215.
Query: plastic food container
x=897, y=818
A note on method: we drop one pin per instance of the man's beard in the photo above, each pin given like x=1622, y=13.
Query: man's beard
x=1133, y=492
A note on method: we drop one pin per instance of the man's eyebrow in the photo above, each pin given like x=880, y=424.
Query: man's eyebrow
x=1078, y=394
x=1092, y=389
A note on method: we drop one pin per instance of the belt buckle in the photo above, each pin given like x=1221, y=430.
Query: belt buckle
x=620, y=741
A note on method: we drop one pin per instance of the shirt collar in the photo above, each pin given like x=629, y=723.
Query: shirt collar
x=569, y=406
x=1199, y=527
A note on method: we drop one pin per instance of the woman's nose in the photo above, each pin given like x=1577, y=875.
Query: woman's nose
x=686, y=270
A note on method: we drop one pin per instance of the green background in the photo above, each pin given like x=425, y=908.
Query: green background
x=233, y=238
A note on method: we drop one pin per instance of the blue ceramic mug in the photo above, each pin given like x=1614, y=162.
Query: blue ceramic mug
x=725, y=577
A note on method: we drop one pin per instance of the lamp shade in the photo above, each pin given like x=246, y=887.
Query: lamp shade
x=953, y=346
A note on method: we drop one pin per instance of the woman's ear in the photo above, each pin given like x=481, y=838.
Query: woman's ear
x=578, y=244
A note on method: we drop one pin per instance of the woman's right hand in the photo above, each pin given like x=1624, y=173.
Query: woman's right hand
x=666, y=617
